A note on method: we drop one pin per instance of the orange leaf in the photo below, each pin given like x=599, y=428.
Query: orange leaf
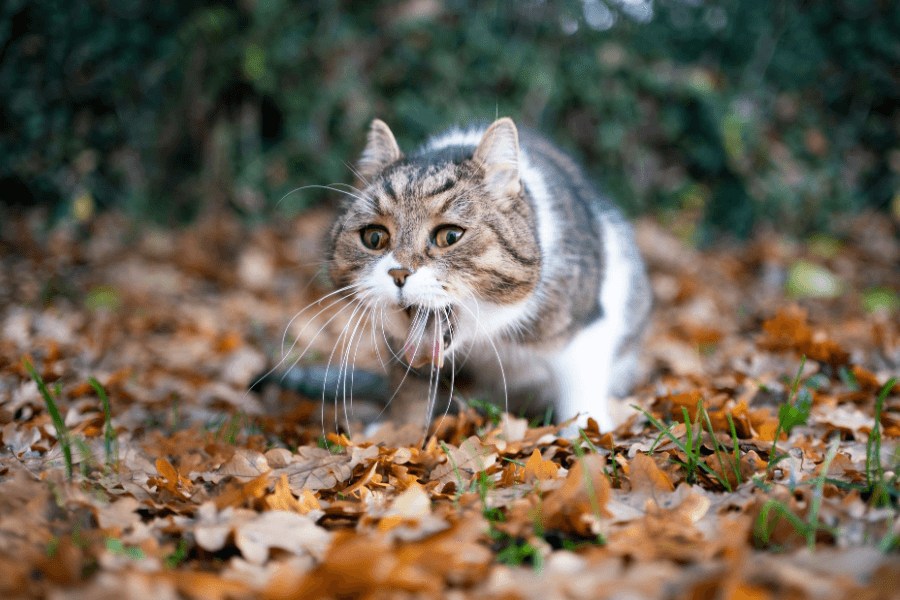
x=788, y=331
x=366, y=477
x=237, y=495
x=646, y=476
x=389, y=522
x=582, y=498
x=283, y=499
x=512, y=474
x=536, y=468
x=308, y=502
x=688, y=401
x=341, y=440
x=170, y=478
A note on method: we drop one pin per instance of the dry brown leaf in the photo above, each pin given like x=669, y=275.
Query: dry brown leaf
x=464, y=462
x=368, y=476
x=282, y=498
x=118, y=516
x=240, y=493
x=665, y=532
x=579, y=504
x=170, y=480
x=246, y=463
x=788, y=330
x=647, y=478
x=315, y=469
x=409, y=518
x=537, y=468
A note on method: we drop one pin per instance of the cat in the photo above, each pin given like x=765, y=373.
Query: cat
x=487, y=251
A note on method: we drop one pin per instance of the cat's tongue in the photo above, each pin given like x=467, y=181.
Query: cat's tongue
x=423, y=345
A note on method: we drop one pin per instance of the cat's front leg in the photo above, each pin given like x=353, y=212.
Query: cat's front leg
x=582, y=372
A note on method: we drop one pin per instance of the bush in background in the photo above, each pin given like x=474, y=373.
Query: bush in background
x=716, y=114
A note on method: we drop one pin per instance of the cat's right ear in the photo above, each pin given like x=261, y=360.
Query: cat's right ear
x=381, y=150
x=498, y=155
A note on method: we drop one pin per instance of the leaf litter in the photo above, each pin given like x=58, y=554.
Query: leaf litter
x=759, y=459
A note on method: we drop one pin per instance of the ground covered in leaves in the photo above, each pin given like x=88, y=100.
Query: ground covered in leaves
x=193, y=487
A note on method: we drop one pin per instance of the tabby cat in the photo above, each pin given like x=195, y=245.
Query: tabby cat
x=487, y=252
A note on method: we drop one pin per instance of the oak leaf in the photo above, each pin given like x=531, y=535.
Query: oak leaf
x=537, y=468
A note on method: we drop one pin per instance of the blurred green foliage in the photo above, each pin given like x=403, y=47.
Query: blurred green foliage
x=719, y=114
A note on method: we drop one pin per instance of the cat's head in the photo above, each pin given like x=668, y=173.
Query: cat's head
x=444, y=233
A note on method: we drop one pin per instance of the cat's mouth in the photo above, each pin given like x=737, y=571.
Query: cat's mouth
x=428, y=336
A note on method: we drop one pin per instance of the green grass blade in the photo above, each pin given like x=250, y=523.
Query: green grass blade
x=875, y=437
x=662, y=428
x=86, y=457
x=716, y=447
x=61, y=431
x=657, y=440
x=590, y=444
x=459, y=481
x=679, y=444
x=109, y=434
x=737, y=452
x=690, y=452
x=762, y=532
x=790, y=398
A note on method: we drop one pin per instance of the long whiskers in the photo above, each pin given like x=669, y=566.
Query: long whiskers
x=345, y=362
x=284, y=355
x=354, y=287
x=357, y=306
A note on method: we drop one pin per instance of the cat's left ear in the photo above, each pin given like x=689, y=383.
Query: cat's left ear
x=381, y=150
x=498, y=155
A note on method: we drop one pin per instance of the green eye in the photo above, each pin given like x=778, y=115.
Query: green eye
x=447, y=236
x=374, y=237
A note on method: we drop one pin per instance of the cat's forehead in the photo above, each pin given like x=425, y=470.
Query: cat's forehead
x=420, y=187
x=419, y=179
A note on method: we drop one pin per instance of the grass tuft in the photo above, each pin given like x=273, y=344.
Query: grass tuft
x=735, y=467
x=62, y=433
x=789, y=416
x=690, y=446
x=811, y=526
x=877, y=484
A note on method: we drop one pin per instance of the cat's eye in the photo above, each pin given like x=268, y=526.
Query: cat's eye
x=447, y=236
x=374, y=237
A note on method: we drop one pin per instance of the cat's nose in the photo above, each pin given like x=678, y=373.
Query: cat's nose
x=399, y=275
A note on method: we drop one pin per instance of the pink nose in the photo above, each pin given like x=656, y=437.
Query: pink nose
x=399, y=275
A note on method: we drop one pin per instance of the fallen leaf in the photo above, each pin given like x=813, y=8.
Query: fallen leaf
x=647, y=478
x=537, y=468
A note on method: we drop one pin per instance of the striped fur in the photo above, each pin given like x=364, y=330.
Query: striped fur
x=544, y=296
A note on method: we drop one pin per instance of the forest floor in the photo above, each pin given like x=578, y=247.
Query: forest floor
x=193, y=487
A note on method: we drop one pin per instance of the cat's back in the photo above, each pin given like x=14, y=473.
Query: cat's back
x=566, y=184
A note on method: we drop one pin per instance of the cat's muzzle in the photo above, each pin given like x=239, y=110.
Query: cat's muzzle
x=428, y=336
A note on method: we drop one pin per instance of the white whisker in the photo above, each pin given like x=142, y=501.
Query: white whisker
x=341, y=364
x=356, y=303
x=310, y=305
